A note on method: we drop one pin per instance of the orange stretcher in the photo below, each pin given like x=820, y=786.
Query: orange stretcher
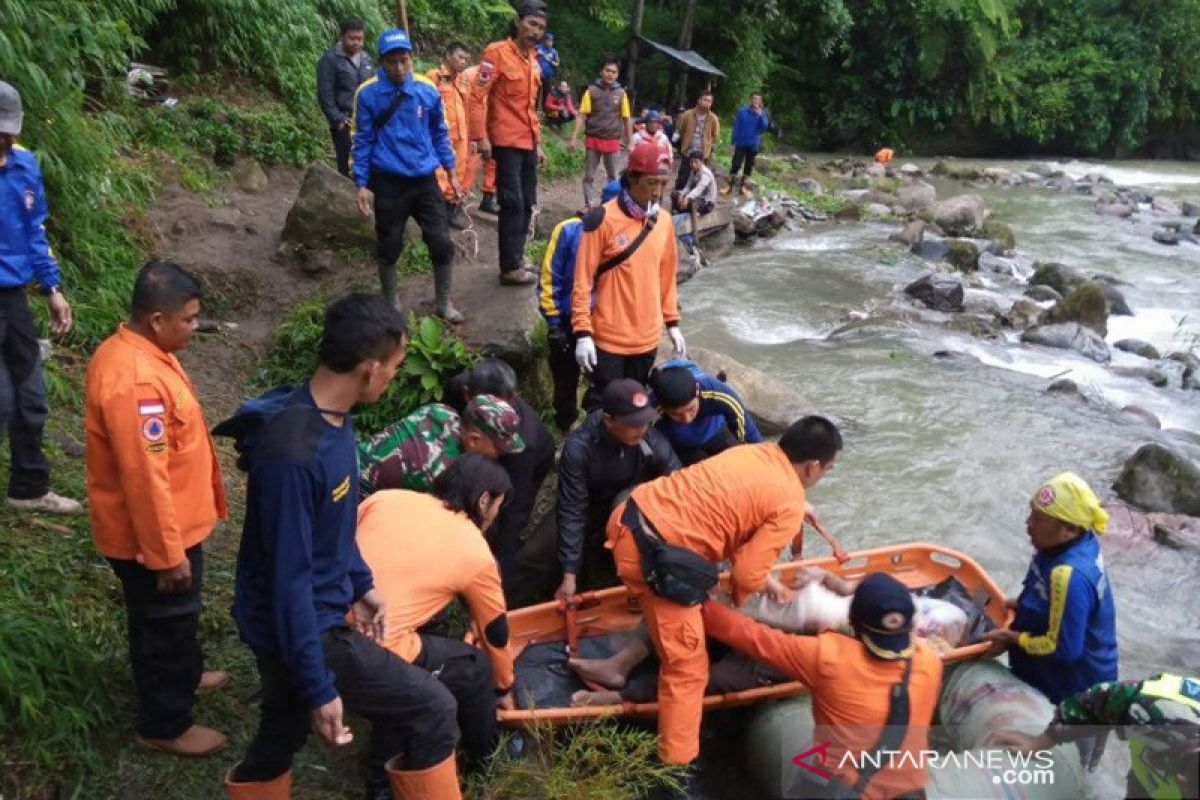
x=610, y=611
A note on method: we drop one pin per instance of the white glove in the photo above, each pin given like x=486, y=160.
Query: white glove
x=585, y=353
x=677, y=340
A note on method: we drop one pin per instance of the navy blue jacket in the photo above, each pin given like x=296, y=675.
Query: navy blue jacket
x=299, y=568
x=25, y=254
x=720, y=408
x=1068, y=622
x=749, y=127
x=414, y=142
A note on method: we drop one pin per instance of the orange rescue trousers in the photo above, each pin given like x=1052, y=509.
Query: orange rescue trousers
x=678, y=636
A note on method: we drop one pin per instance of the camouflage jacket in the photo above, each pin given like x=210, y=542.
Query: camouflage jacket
x=410, y=453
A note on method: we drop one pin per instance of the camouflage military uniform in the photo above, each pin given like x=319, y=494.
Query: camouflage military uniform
x=1161, y=718
x=410, y=453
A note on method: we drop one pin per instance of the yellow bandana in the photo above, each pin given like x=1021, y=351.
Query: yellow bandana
x=1066, y=497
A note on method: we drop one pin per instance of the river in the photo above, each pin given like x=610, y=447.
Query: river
x=948, y=448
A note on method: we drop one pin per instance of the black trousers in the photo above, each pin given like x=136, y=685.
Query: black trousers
x=467, y=673
x=537, y=572
x=341, y=147
x=164, y=647
x=397, y=199
x=410, y=711
x=564, y=370
x=610, y=367
x=23, y=409
x=685, y=172
x=743, y=155
x=527, y=470
x=516, y=189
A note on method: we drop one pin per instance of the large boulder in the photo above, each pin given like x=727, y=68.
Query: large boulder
x=960, y=216
x=915, y=195
x=1118, y=210
x=1158, y=478
x=249, y=176
x=773, y=404
x=549, y=214
x=1085, y=305
x=743, y=224
x=1070, y=336
x=1139, y=348
x=1058, y=277
x=1117, y=304
x=1190, y=209
x=811, y=186
x=997, y=174
x=718, y=244
x=962, y=254
x=1165, y=206
x=1023, y=314
x=325, y=214
x=911, y=234
x=1000, y=234
x=937, y=291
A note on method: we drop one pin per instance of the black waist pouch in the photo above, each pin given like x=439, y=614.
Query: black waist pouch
x=672, y=572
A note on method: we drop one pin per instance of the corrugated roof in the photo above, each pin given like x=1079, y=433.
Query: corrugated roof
x=689, y=57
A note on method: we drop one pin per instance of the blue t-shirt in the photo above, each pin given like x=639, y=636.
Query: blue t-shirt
x=1068, y=621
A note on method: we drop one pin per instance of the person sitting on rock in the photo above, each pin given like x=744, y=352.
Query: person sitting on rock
x=1064, y=636
x=701, y=414
x=410, y=453
x=650, y=130
x=559, y=106
x=615, y=449
x=699, y=194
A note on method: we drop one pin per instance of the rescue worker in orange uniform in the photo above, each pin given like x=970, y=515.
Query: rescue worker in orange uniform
x=852, y=679
x=448, y=78
x=743, y=505
x=425, y=550
x=884, y=156
x=155, y=494
x=507, y=129
x=487, y=203
x=624, y=290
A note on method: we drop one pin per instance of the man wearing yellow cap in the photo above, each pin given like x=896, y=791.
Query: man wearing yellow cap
x=1064, y=636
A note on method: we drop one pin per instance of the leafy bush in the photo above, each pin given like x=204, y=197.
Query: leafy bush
x=434, y=356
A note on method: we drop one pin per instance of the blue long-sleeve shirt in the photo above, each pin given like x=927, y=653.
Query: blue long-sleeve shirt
x=720, y=408
x=299, y=568
x=1067, y=620
x=414, y=142
x=558, y=274
x=25, y=254
x=749, y=127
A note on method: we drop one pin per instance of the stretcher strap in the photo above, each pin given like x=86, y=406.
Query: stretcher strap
x=570, y=609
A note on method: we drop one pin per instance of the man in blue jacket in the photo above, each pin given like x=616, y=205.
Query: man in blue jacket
x=749, y=126
x=305, y=600
x=554, y=301
x=701, y=414
x=25, y=259
x=400, y=139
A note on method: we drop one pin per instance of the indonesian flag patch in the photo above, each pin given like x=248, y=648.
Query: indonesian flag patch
x=148, y=408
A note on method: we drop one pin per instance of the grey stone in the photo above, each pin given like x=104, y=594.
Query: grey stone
x=910, y=170
x=1139, y=348
x=1000, y=234
x=877, y=210
x=997, y=174
x=773, y=404
x=960, y=215
x=1044, y=170
x=1166, y=237
x=1009, y=266
x=325, y=213
x=911, y=234
x=1119, y=210
x=1141, y=415
x=1164, y=205
x=1070, y=336
x=1023, y=314
x=1146, y=373
x=249, y=176
x=963, y=255
x=1158, y=478
x=1058, y=277
x=1085, y=305
x=937, y=291
x=1042, y=294
x=1117, y=305
x=1067, y=387
x=811, y=186
x=915, y=195
x=930, y=249
x=1190, y=209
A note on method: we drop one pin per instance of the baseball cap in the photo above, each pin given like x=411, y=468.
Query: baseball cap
x=11, y=114
x=394, y=39
x=652, y=116
x=647, y=159
x=673, y=386
x=627, y=401
x=881, y=613
x=497, y=420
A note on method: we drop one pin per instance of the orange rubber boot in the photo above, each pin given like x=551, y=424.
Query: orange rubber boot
x=439, y=782
x=275, y=789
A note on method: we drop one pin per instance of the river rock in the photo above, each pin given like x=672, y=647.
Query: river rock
x=1119, y=210
x=1143, y=372
x=1085, y=305
x=1141, y=415
x=997, y=174
x=773, y=405
x=718, y=244
x=687, y=264
x=249, y=176
x=999, y=234
x=1190, y=381
x=1042, y=294
x=849, y=212
x=937, y=291
x=1117, y=305
x=930, y=249
x=1176, y=531
x=1063, y=184
x=1068, y=388
x=982, y=302
x=811, y=186
x=325, y=214
x=1139, y=348
x=960, y=215
x=982, y=326
x=1044, y=170
x=1058, y=277
x=962, y=255
x=876, y=170
x=1070, y=336
x=877, y=210
x=878, y=197
x=911, y=234
x=1166, y=237
x=1158, y=478
x=1023, y=314
x=1196, y=230
x=917, y=194
x=1165, y=206
x=1190, y=209
x=1011, y=267
x=910, y=170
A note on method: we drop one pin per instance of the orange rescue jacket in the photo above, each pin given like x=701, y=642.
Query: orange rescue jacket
x=851, y=693
x=154, y=484
x=626, y=310
x=504, y=95
x=422, y=556
x=454, y=91
x=743, y=504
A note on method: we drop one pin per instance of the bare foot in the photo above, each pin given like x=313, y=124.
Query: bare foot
x=586, y=698
x=603, y=671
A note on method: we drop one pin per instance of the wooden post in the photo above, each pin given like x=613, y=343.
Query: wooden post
x=635, y=30
x=402, y=16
